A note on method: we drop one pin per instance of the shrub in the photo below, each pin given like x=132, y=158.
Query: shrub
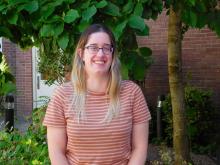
x=200, y=115
x=7, y=80
x=27, y=148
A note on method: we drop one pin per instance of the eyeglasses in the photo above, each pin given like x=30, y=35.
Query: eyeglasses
x=95, y=49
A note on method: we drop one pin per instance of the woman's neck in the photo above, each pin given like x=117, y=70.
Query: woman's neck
x=97, y=84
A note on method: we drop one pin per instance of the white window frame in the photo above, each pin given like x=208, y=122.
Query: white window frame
x=0, y=44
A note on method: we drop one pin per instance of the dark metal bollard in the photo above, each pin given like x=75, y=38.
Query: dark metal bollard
x=9, y=113
x=159, y=109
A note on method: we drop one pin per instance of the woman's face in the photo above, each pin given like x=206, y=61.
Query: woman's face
x=97, y=54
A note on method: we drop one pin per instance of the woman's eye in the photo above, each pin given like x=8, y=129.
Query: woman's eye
x=93, y=48
x=106, y=48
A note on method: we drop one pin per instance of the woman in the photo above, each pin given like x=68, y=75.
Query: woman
x=97, y=119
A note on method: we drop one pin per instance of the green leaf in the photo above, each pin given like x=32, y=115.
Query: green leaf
x=63, y=40
x=8, y=75
x=111, y=9
x=144, y=1
x=130, y=60
x=2, y=7
x=88, y=13
x=129, y=41
x=54, y=19
x=128, y=8
x=69, y=1
x=71, y=16
x=201, y=6
x=31, y=6
x=189, y=17
x=139, y=69
x=217, y=25
x=46, y=30
x=55, y=3
x=101, y=4
x=147, y=13
x=149, y=2
x=193, y=18
x=83, y=25
x=119, y=29
x=8, y=88
x=136, y=22
x=58, y=28
x=52, y=29
x=138, y=10
x=192, y=2
x=201, y=21
x=217, y=30
x=145, y=51
x=145, y=32
x=46, y=11
x=13, y=19
x=5, y=32
x=16, y=2
x=85, y=5
x=154, y=15
x=124, y=72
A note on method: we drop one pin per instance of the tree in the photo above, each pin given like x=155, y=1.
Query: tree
x=182, y=15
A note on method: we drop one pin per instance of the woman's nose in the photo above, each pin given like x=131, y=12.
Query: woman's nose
x=100, y=52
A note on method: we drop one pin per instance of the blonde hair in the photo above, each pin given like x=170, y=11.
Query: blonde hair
x=78, y=76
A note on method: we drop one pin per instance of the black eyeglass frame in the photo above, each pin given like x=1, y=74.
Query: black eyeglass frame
x=98, y=48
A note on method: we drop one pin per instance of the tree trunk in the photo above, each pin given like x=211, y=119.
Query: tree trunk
x=180, y=139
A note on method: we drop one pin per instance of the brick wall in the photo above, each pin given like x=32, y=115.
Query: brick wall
x=21, y=65
x=201, y=60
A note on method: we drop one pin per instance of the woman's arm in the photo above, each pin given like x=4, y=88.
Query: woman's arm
x=139, y=144
x=57, y=141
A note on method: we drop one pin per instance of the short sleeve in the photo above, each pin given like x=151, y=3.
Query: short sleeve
x=141, y=112
x=54, y=116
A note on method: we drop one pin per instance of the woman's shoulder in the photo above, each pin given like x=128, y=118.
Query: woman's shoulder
x=129, y=86
x=64, y=88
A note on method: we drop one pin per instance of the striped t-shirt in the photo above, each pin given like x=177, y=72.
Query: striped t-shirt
x=92, y=142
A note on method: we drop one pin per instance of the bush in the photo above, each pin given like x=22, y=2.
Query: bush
x=28, y=148
x=200, y=120
x=7, y=80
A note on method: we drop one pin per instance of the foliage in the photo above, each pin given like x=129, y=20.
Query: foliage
x=198, y=13
x=55, y=26
x=26, y=148
x=7, y=80
x=200, y=116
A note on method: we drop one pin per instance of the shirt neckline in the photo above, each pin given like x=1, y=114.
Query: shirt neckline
x=96, y=93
